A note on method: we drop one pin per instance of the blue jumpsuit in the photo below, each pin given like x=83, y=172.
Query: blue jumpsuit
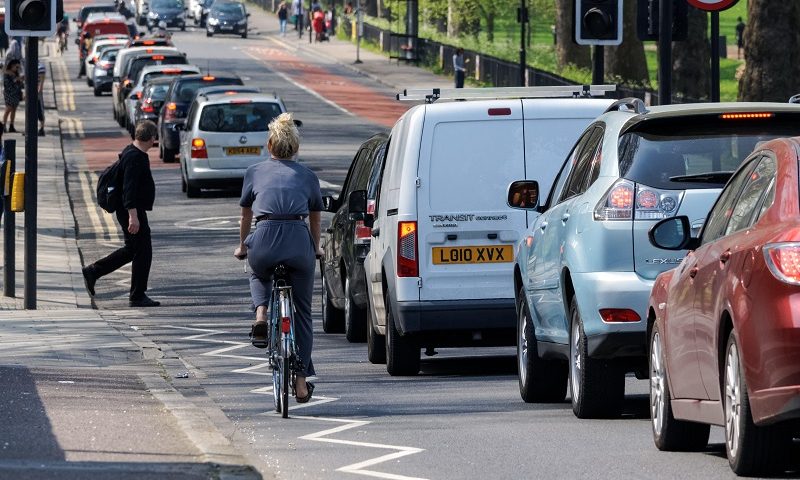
x=283, y=187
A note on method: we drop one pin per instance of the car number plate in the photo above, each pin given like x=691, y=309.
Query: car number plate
x=465, y=255
x=227, y=27
x=243, y=151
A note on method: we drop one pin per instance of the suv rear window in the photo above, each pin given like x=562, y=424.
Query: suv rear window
x=238, y=117
x=185, y=91
x=697, y=152
x=139, y=63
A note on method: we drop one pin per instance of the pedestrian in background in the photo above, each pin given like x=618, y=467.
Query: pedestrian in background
x=299, y=13
x=138, y=196
x=14, y=50
x=739, y=37
x=40, y=93
x=458, y=67
x=12, y=92
x=283, y=17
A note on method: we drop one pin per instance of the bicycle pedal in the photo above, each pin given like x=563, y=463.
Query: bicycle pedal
x=259, y=342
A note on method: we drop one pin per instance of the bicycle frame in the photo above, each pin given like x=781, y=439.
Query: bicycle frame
x=282, y=351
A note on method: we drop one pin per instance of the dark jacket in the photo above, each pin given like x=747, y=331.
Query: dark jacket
x=138, y=187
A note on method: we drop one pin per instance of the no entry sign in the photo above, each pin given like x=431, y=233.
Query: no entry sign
x=712, y=5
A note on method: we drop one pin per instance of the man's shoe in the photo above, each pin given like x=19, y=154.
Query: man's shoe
x=258, y=334
x=145, y=301
x=90, y=279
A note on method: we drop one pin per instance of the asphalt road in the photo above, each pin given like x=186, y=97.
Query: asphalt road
x=461, y=418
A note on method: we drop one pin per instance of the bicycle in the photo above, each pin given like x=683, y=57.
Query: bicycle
x=62, y=42
x=281, y=347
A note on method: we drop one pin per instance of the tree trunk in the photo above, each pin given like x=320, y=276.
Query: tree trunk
x=626, y=63
x=567, y=51
x=771, y=51
x=452, y=23
x=490, y=26
x=691, y=59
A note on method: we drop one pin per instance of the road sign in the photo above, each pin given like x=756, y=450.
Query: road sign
x=712, y=5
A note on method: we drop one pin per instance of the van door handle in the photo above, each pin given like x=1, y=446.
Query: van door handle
x=725, y=256
x=376, y=232
x=543, y=226
x=565, y=217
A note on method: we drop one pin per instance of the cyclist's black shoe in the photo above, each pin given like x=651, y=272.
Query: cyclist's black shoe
x=305, y=399
x=145, y=301
x=258, y=334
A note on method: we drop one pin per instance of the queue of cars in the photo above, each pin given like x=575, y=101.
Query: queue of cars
x=561, y=235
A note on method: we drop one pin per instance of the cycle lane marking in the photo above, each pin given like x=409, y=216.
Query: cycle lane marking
x=359, y=468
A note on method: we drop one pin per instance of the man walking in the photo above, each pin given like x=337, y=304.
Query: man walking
x=458, y=67
x=739, y=37
x=138, y=195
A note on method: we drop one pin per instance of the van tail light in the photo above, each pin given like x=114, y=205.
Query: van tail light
x=783, y=260
x=619, y=315
x=170, y=111
x=199, y=148
x=407, y=254
x=626, y=200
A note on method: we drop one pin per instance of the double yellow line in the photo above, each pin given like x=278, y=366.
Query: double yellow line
x=65, y=98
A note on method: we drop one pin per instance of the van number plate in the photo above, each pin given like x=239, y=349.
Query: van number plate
x=463, y=255
x=243, y=151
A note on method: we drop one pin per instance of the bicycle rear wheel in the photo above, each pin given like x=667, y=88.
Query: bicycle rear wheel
x=285, y=378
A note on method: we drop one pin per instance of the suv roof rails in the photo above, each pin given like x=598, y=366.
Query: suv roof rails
x=430, y=95
x=632, y=103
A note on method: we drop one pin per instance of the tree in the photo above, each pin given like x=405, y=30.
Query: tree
x=567, y=52
x=769, y=74
x=626, y=63
x=691, y=59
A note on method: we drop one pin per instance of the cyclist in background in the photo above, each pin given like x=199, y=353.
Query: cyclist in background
x=281, y=194
x=62, y=33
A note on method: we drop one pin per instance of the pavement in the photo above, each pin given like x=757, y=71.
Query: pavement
x=85, y=395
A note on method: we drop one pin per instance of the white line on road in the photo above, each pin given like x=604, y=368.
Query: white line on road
x=322, y=436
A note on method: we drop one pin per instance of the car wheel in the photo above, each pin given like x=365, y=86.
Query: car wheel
x=244, y=34
x=598, y=386
x=540, y=381
x=183, y=28
x=402, y=353
x=355, y=319
x=669, y=434
x=184, y=186
x=97, y=92
x=752, y=450
x=192, y=190
x=332, y=317
x=89, y=82
x=376, y=343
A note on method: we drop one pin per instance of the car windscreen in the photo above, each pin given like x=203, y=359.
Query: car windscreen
x=238, y=117
x=695, y=153
x=228, y=8
x=166, y=5
x=138, y=64
x=186, y=90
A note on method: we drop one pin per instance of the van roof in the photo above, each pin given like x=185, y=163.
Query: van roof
x=539, y=108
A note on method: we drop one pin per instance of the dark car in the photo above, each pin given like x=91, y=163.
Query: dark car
x=102, y=74
x=84, y=12
x=347, y=244
x=136, y=65
x=152, y=100
x=227, y=17
x=180, y=95
x=171, y=12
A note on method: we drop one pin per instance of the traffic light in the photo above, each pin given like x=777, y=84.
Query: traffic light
x=598, y=22
x=647, y=20
x=32, y=18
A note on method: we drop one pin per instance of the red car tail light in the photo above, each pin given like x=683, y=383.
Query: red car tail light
x=148, y=108
x=362, y=234
x=407, y=257
x=199, y=148
x=783, y=260
x=619, y=315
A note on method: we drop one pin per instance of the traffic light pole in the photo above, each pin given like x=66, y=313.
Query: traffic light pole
x=715, y=56
x=31, y=173
x=598, y=72
x=665, y=53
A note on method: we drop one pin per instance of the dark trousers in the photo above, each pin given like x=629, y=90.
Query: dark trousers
x=137, y=249
x=459, y=79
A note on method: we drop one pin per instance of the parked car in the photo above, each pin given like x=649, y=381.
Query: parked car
x=179, y=97
x=584, y=268
x=125, y=59
x=98, y=47
x=171, y=12
x=152, y=100
x=222, y=136
x=724, y=326
x=227, y=17
x=439, y=269
x=102, y=71
x=87, y=9
x=344, y=294
x=146, y=74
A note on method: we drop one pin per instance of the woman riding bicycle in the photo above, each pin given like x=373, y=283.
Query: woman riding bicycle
x=281, y=193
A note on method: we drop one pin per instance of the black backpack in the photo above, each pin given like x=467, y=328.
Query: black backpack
x=109, y=187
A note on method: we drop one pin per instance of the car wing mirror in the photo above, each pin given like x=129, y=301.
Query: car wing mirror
x=329, y=204
x=357, y=205
x=298, y=123
x=523, y=194
x=674, y=233
x=246, y=14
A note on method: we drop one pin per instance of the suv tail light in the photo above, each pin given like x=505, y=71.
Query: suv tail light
x=199, y=148
x=783, y=260
x=407, y=258
x=619, y=315
x=626, y=200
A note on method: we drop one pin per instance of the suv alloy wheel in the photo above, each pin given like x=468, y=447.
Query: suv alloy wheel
x=332, y=320
x=540, y=381
x=355, y=319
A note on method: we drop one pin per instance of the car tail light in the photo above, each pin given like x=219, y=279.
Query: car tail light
x=362, y=233
x=619, y=315
x=148, y=108
x=783, y=260
x=209, y=78
x=199, y=148
x=149, y=42
x=626, y=200
x=157, y=57
x=746, y=116
x=407, y=258
x=136, y=96
x=170, y=111
x=240, y=101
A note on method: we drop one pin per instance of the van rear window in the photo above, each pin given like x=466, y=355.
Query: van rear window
x=702, y=152
x=238, y=117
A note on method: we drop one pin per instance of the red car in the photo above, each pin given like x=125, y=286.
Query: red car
x=724, y=326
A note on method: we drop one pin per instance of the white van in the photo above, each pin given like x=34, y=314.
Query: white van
x=440, y=269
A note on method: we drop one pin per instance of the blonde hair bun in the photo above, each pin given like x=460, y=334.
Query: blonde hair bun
x=284, y=138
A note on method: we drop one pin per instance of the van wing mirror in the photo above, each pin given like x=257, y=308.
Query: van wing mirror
x=673, y=233
x=357, y=205
x=523, y=194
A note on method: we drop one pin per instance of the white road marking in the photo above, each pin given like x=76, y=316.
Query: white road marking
x=322, y=436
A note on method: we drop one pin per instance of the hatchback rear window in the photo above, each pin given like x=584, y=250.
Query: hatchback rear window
x=157, y=93
x=138, y=64
x=238, y=117
x=186, y=90
x=696, y=152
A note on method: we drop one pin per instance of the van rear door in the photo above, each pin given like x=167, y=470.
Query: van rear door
x=469, y=155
